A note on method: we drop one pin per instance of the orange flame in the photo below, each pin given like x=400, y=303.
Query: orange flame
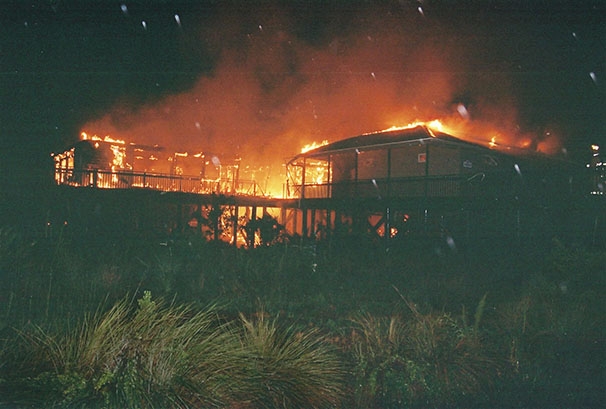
x=313, y=145
x=86, y=137
x=433, y=125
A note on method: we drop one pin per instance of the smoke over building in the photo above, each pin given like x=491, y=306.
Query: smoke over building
x=280, y=81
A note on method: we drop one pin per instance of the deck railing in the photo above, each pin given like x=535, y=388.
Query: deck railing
x=105, y=179
x=429, y=186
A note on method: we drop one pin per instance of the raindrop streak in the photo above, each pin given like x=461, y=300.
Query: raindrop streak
x=451, y=243
x=178, y=20
x=594, y=78
x=124, y=9
x=463, y=111
x=144, y=24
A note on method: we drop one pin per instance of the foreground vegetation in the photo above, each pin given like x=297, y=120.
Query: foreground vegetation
x=186, y=323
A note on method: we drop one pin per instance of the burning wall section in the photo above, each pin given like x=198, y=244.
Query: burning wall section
x=110, y=163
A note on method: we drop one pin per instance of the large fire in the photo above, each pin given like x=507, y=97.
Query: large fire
x=270, y=93
x=484, y=134
x=211, y=173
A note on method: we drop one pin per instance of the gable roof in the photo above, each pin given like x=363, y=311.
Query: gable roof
x=419, y=134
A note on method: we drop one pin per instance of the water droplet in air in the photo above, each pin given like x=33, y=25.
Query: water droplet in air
x=462, y=110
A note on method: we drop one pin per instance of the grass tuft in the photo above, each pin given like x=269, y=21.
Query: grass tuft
x=288, y=369
x=151, y=355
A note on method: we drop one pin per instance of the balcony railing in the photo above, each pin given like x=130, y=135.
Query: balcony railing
x=431, y=186
x=156, y=181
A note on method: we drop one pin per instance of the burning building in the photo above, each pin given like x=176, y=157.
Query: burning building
x=405, y=163
x=398, y=182
x=112, y=163
x=421, y=176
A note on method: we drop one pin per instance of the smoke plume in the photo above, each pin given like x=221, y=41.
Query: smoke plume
x=277, y=85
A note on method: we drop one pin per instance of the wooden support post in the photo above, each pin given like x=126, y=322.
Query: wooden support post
x=304, y=227
x=235, y=226
x=283, y=218
x=387, y=224
x=252, y=231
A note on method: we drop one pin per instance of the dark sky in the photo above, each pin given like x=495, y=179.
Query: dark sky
x=335, y=68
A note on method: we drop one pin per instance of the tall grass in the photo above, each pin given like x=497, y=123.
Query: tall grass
x=288, y=369
x=429, y=360
x=539, y=334
x=154, y=355
x=146, y=356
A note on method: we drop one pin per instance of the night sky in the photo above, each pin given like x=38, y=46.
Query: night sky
x=251, y=75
